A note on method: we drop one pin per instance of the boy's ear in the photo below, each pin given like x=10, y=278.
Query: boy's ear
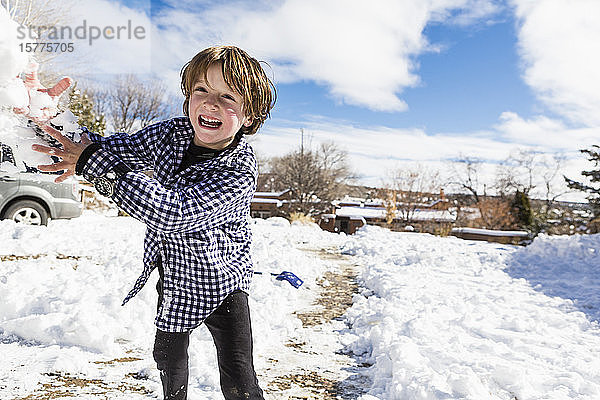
x=248, y=122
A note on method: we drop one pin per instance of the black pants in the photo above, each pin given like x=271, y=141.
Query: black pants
x=230, y=328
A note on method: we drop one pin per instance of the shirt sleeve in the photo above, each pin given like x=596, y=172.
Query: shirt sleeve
x=212, y=201
x=136, y=150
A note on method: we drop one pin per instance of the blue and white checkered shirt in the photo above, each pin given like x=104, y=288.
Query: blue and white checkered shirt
x=197, y=219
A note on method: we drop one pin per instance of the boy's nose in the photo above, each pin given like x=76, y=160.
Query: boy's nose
x=210, y=102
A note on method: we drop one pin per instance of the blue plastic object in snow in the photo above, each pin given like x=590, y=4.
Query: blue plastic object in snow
x=286, y=276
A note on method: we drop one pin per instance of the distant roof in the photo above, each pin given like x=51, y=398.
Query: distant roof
x=268, y=201
x=348, y=201
x=271, y=194
x=376, y=212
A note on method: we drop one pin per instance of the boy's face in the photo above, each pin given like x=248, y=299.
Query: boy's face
x=216, y=111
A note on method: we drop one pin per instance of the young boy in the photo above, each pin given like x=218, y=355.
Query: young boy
x=196, y=208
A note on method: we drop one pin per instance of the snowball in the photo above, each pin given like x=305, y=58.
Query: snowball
x=13, y=94
x=14, y=61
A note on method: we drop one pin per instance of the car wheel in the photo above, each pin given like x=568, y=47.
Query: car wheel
x=27, y=212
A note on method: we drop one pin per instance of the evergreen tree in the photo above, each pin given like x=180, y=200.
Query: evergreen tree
x=82, y=106
x=593, y=188
x=521, y=207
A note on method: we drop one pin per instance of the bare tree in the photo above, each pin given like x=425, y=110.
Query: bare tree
x=315, y=177
x=465, y=175
x=131, y=104
x=334, y=169
x=409, y=189
x=536, y=175
x=37, y=12
x=533, y=173
x=552, y=165
x=518, y=172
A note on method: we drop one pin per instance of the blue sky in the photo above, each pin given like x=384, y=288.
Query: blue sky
x=397, y=83
x=465, y=86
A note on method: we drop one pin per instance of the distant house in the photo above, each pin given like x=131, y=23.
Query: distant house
x=270, y=204
x=341, y=223
x=351, y=213
x=421, y=219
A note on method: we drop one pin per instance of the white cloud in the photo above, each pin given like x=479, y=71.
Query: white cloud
x=559, y=42
x=375, y=150
x=471, y=12
x=119, y=49
x=541, y=131
x=363, y=53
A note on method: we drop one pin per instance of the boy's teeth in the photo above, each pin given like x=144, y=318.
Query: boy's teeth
x=209, y=122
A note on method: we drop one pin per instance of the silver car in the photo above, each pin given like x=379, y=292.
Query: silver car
x=33, y=197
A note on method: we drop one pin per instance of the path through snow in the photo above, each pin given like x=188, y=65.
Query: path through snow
x=306, y=375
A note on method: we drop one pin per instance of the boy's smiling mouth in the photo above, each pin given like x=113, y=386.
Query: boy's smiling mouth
x=207, y=122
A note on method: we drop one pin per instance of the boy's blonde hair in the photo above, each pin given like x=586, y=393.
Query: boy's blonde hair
x=242, y=73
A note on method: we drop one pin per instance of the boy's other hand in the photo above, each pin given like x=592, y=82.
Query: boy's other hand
x=33, y=84
x=69, y=153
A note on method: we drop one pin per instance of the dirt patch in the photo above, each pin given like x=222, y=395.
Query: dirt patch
x=338, y=289
x=295, y=344
x=317, y=386
x=12, y=257
x=66, y=257
x=118, y=360
x=59, y=256
x=63, y=385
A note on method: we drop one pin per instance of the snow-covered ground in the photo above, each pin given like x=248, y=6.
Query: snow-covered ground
x=436, y=318
x=443, y=318
x=61, y=288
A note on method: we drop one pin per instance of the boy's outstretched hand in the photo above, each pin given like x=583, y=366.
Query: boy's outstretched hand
x=69, y=153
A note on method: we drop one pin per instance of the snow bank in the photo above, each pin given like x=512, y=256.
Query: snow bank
x=563, y=266
x=440, y=318
x=68, y=291
x=14, y=61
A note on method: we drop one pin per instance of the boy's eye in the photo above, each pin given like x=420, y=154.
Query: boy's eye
x=228, y=97
x=200, y=89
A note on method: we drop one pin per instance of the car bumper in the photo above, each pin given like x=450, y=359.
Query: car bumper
x=67, y=208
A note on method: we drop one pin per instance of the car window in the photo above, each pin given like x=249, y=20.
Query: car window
x=6, y=154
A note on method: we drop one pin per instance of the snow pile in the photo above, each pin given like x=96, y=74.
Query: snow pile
x=440, y=318
x=563, y=266
x=14, y=130
x=14, y=62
